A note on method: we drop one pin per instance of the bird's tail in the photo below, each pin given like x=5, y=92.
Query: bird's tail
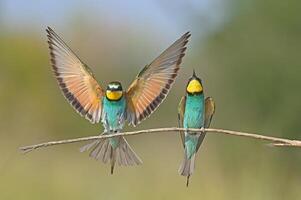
x=123, y=154
x=187, y=166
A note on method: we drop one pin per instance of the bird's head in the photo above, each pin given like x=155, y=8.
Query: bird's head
x=194, y=85
x=114, y=91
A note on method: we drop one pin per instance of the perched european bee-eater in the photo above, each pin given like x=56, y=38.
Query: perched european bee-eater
x=113, y=106
x=193, y=112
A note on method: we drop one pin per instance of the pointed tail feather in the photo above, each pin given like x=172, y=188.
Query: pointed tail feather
x=187, y=167
x=112, y=159
x=187, y=180
x=123, y=154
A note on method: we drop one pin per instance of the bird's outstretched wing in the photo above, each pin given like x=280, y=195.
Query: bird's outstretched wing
x=154, y=81
x=75, y=79
x=181, y=111
x=209, y=112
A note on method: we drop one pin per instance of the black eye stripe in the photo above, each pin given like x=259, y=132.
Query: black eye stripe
x=114, y=87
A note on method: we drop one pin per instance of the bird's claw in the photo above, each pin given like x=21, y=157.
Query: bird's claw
x=203, y=130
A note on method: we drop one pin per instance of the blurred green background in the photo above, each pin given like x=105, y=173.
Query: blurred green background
x=246, y=52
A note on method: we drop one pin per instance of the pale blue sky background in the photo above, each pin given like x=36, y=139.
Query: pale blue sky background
x=170, y=18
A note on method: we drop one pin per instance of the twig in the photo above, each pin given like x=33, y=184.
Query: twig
x=279, y=142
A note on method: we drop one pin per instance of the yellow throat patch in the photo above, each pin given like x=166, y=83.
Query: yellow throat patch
x=194, y=86
x=113, y=95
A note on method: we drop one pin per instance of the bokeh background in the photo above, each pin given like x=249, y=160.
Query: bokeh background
x=247, y=53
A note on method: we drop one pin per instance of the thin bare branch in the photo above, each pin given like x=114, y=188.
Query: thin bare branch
x=279, y=142
x=294, y=143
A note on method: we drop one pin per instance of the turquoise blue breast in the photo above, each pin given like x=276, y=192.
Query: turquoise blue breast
x=114, y=114
x=194, y=111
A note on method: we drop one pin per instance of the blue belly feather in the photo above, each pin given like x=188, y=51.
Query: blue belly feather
x=113, y=117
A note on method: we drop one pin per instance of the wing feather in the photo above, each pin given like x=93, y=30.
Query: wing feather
x=209, y=112
x=154, y=81
x=181, y=111
x=75, y=79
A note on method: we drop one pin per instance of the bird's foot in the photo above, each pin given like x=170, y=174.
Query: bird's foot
x=203, y=130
